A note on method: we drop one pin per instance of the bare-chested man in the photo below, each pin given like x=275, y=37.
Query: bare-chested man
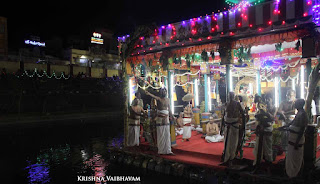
x=134, y=123
x=213, y=131
x=162, y=122
x=287, y=111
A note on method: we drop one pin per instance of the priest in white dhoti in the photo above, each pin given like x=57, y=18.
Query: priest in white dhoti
x=296, y=140
x=134, y=123
x=231, y=117
x=187, y=120
x=162, y=122
x=187, y=117
x=213, y=132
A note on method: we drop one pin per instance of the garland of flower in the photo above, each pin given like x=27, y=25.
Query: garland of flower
x=187, y=73
x=176, y=84
x=283, y=67
x=282, y=80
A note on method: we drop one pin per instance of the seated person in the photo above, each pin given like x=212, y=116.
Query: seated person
x=200, y=130
x=213, y=132
x=179, y=126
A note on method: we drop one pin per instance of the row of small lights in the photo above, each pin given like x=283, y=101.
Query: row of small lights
x=245, y=4
x=276, y=11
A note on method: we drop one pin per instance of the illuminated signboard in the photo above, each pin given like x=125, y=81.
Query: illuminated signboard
x=96, y=38
x=36, y=43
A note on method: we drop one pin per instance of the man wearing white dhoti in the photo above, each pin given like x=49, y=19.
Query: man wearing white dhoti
x=296, y=140
x=263, y=146
x=187, y=119
x=140, y=103
x=231, y=117
x=134, y=123
x=213, y=132
x=162, y=122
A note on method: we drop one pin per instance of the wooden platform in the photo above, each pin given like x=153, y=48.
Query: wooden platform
x=196, y=152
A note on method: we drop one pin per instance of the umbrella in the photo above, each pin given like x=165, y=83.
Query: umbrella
x=188, y=97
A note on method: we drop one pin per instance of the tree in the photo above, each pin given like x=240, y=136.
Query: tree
x=126, y=49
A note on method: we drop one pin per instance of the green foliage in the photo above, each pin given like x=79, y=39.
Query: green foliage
x=279, y=47
x=225, y=51
x=177, y=59
x=188, y=60
x=243, y=54
x=204, y=56
x=164, y=59
x=212, y=54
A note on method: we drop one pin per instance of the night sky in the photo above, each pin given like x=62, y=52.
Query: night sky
x=49, y=19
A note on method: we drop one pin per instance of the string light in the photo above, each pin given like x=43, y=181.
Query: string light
x=35, y=73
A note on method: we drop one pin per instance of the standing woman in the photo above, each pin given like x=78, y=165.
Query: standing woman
x=162, y=122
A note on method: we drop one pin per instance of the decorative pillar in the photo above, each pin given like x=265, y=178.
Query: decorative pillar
x=308, y=66
x=209, y=94
x=170, y=96
x=170, y=90
x=228, y=80
x=302, y=81
x=196, y=92
x=277, y=91
x=206, y=99
x=258, y=83
x=130, y=91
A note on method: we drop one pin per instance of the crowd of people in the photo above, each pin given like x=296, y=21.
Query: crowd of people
x=230, y=129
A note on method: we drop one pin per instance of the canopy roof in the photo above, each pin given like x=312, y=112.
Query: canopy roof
x=245, y=21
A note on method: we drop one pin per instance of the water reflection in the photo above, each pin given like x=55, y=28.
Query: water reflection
x=39, y=155
x=84, y=160
x=38, y=172
x=98, y=165
x=116, y=142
